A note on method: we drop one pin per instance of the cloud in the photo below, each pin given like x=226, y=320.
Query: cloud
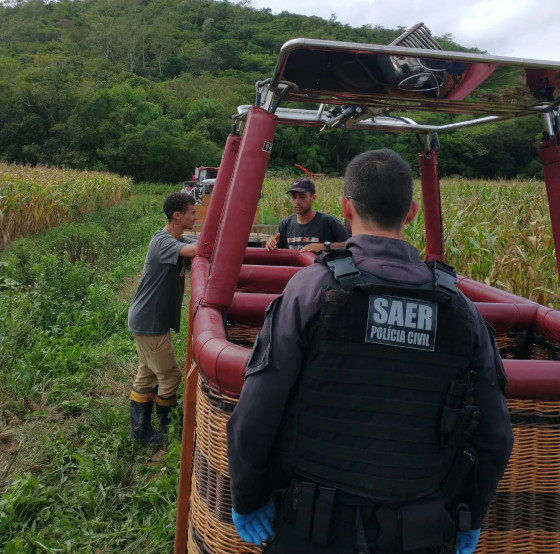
x=515, y=28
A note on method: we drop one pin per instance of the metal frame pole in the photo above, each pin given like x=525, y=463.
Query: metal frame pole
x=549, y=155
x=187, y=446
x=431, y=200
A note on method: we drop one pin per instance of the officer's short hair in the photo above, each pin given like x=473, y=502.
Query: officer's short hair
x=380, y=184
x=177, y=202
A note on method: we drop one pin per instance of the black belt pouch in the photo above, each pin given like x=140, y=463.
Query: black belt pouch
x=426, y=523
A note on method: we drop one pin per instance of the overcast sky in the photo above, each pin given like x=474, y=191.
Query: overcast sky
x=516, y=28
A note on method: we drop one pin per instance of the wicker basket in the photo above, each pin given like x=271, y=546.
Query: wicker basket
x=242, y=335
x=211, y=529
x=523, y=518
x=526, y=345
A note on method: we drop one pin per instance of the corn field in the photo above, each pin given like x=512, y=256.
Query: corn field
x=34, y=199
x=497, y=232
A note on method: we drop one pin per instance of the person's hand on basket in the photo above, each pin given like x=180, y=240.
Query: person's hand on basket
x=255, y=527
x=272, y=242
x=314, y=247
x=467, y=541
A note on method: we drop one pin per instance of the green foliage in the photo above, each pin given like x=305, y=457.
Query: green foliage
x=506, y=150
x=93, y=496
x=35, y=199
x=66, y=354
x=59, y=301
x=147, y=89
x=497, y=232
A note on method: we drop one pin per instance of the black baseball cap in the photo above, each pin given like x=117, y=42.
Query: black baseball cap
x=302, y=185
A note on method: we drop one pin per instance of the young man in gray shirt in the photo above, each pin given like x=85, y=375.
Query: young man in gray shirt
x=154, y=311
x=307, y=230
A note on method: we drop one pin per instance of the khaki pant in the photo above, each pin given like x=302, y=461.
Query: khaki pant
x=156, y=365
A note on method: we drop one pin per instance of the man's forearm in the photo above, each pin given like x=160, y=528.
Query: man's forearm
x=251, y=432
x=493, y=441
x=188, y=251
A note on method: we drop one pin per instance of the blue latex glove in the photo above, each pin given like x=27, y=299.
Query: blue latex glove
x=467, y=541
x=257, y=526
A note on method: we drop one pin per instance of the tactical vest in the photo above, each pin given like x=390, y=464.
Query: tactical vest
x=369, y=414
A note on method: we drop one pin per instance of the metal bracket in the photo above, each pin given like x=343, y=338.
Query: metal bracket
x=429, y=141
x=265, y=95
x=551, y=121
x=283, y=89
x=236, y=123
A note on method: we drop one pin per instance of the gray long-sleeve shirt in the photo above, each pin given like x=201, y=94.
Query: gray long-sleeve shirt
x=280, y=353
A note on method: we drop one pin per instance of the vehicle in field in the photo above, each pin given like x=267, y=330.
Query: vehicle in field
x=201, y=184
x=201, y=187
x=368, y=88
x=201, y=173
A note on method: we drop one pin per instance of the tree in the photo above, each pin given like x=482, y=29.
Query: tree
x=97, y=82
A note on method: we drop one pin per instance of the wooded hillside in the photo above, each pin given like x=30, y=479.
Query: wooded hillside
x=147, y=88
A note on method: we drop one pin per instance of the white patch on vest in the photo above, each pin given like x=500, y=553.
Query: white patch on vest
x=402, y=322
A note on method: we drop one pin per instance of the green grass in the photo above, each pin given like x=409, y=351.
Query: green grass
x=70, y=478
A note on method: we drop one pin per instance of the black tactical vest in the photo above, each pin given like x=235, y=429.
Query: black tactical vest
x=365, y=416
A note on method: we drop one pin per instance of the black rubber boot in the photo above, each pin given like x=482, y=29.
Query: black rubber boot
x=141, y=424
x=163, y=416
x=163, y=410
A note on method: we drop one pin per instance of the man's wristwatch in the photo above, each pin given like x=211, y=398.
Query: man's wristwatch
x=327, y=244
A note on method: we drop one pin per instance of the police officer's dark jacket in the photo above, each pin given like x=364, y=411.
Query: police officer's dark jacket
x=365, y=413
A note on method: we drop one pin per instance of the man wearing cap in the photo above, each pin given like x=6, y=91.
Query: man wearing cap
x=307, y=230
x=374, y=396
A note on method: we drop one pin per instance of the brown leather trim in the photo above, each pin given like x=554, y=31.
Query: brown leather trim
x=142, y=397
x=171, y=401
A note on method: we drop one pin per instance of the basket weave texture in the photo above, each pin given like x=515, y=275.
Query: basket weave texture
x=242, y=335
x=527, y=345
x=210, y=513
x=524, y=517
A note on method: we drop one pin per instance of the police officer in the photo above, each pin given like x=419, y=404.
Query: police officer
x=374, y=396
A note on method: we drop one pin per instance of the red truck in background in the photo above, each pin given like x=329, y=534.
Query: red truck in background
x=201, y=183
x=201, y=186
x=202, y=173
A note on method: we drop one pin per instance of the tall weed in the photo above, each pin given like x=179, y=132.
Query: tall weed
x=497, y=232
x=57, y=295
x=33, y=199
x=66, y=355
